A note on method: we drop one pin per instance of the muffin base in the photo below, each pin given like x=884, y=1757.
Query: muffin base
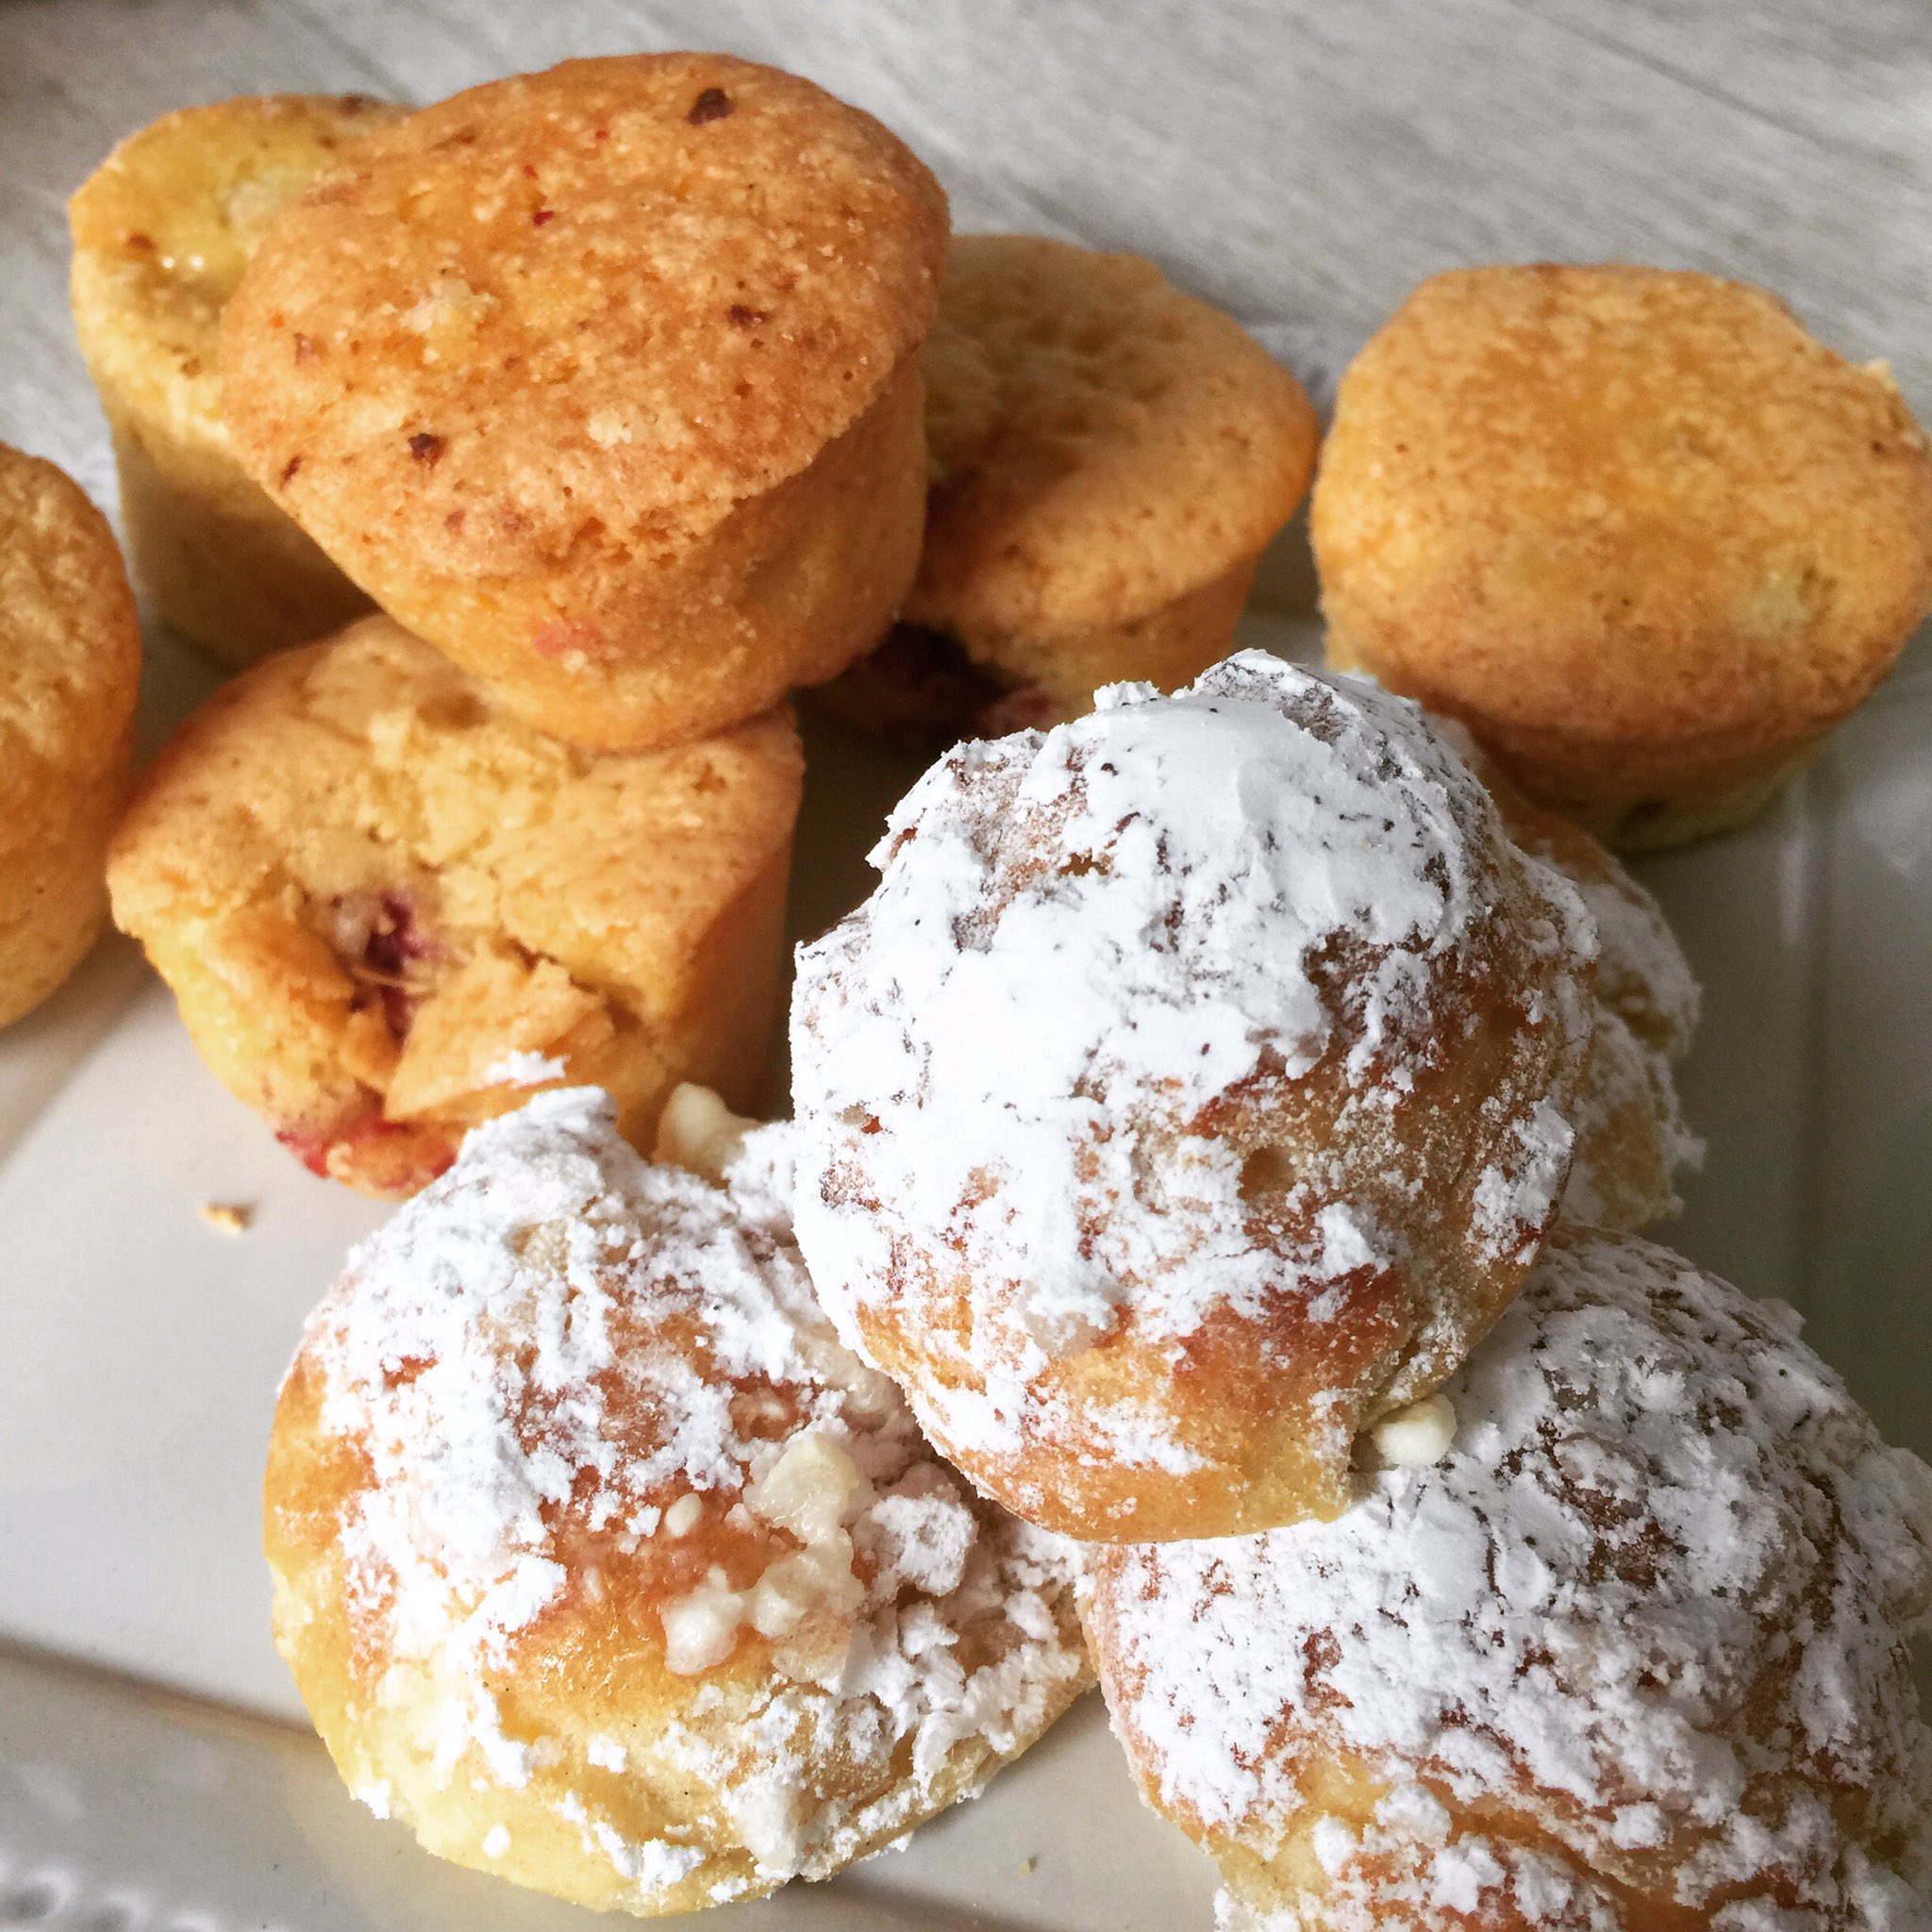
x=628, y=652
x=1167, y=647
x=53, y=891
x=224, y=567
x=1635, y=796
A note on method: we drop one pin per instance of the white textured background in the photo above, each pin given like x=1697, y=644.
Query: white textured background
x=1305, y=157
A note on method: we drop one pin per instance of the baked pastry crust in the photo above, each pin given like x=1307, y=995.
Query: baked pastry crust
x=70, y=666
x=1634, y=527
x=1635, y=1654
x=162, y=230
x=1191, y=1091
x=1110, y=458
x=390, y=910
x=602, y=1566
x=604, y=380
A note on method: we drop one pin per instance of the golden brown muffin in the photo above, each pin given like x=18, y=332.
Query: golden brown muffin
x=606, y=381
x=634, y=1585
x=1110, y=458
x=70, y=665
x=1636, y=528
x=389, y=909
x=1192, y=1091
x=1632, y=1657
x=162, y=230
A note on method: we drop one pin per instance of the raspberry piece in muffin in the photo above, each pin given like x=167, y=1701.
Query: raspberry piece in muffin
x=390, y=910
x=70, y=665
x=615, y=399
x=162, y=230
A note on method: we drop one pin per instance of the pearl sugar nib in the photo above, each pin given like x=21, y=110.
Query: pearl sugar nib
x=602, y=1563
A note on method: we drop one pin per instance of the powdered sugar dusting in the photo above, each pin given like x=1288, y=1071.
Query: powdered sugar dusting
x=1642, y=970
x=1648, y=1001
x=1439, y=1884
x=522, y=1068
x=1631, y=1138
x=1667, y=1559
x=1517, y=1193
x=762, y=1175
x=906, y=1660
x=536, y=1235
x=559, y=1362
x=1087, y=950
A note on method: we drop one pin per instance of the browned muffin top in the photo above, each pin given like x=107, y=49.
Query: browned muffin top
x=618, y=296
x=1628, y=501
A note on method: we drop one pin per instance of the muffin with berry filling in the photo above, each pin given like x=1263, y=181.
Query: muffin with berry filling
x=389, y=910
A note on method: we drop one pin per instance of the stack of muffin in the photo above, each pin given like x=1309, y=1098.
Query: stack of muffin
x=1183, y=1123
x=1209, y=1135
x=1171, y=1230
x=605, y=384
